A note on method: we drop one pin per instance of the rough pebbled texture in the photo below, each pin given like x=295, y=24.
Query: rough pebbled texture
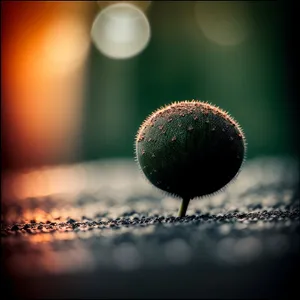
x=187, y=138
x=117, y=237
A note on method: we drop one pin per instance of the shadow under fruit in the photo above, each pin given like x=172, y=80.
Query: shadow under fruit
x=190, y=149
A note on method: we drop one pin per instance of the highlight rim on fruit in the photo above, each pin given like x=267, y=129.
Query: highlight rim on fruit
x=190, y=149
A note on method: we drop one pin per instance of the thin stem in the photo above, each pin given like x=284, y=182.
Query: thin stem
x=183, y=207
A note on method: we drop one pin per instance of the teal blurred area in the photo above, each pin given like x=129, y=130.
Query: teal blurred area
x=64, y=101
x=232, y=54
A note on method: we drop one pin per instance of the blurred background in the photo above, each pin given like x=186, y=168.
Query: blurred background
x=78, y=79
x=65, y=99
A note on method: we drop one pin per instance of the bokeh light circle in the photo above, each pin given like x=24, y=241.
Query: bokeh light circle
x=121, y=31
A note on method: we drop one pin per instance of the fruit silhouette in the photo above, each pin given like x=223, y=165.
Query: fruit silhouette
x=190, y=149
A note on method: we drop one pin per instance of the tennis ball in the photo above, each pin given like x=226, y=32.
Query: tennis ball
x=190, y=149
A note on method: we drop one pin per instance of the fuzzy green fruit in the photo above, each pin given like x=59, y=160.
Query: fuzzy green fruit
x=190, y=149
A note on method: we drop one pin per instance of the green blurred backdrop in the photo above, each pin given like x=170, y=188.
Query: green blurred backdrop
x=247, y=78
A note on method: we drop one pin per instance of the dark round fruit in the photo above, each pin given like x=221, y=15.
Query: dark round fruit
x=190, y=148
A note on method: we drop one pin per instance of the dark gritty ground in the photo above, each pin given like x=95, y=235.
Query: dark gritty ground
x=103, y=232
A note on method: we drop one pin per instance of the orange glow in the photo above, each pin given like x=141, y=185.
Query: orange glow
x=40, y=183
x=44, y=49
x=40, y=238
x=65, y=44
x=49, y=261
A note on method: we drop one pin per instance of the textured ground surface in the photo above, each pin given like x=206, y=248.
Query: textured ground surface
x=99, y=230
